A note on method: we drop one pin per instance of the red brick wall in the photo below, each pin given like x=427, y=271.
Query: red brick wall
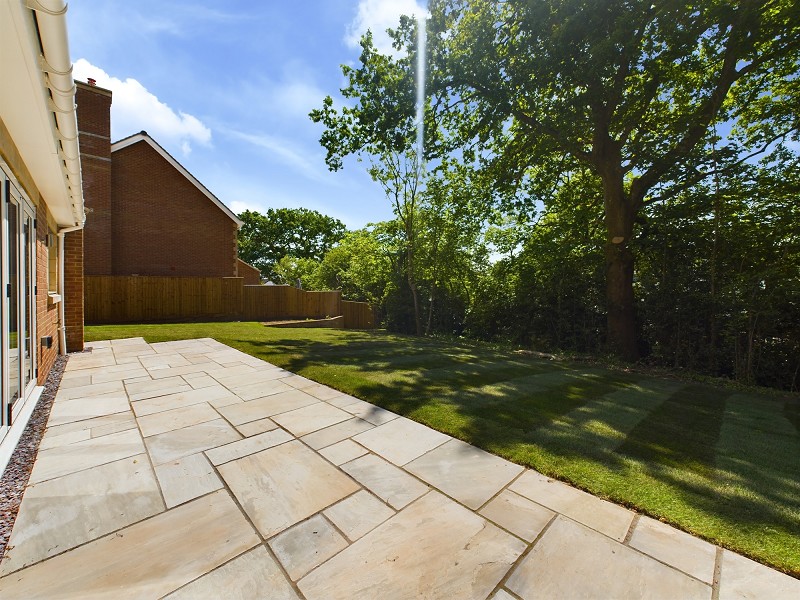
x=73, y=289
x=94, y=127
x=251, y=275
x=46, y=314
x=163, y=224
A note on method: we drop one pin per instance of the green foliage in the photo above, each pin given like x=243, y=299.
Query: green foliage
x=291, y=270
x=297, y=232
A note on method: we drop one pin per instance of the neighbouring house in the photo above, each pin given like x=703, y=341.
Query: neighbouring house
x=42, y=208
x=148, y=215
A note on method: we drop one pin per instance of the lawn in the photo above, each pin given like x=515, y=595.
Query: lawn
x=718, y=462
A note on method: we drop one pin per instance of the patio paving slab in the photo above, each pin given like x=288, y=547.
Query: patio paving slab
x=573, y=561
x=173, y=445
x=343, y=452
x=401, y=440
x=676, y=548
x=78, y=431
x=78, y=409
x=519, y=515
x=177, y=418
x=313, y=417
x=247, y=446
x=369, y=412
x=358, y=515
x=742, y=578
x=435, y=548
x=86, y=455
x=147, y=560
x=254, y=410
x=336, y=433
x=307, y=545
x=385, y=480
x=187, y=478
x=244, y=578
x=54, y=518
x=283, y=485
x=464, y=472
x=605, y=517
x=180, y=399
x=256, y=427
x=156, y=387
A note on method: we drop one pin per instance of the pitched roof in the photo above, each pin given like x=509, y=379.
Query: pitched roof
x=142, y=136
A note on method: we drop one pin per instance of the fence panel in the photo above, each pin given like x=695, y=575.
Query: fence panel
x=143, y=299
x=358, y=315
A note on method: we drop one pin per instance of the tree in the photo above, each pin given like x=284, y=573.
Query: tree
x=630, y=89
x=295, y=232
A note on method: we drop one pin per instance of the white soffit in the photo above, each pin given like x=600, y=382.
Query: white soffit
x=27, y=112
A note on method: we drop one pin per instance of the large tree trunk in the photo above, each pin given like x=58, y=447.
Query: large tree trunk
x=621, y=317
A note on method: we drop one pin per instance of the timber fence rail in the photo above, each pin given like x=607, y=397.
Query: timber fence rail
x=143, y=299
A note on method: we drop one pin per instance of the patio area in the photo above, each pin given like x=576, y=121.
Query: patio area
x=189, y=469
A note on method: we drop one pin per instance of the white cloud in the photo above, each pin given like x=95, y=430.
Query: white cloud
x=378, y=16
x=134, y=108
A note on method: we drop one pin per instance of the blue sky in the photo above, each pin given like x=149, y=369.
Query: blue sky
x=226, y=88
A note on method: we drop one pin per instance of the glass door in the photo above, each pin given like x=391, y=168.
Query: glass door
x=19, y=302
x=28, y=300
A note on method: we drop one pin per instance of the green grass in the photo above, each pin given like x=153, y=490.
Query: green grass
x=718, y=462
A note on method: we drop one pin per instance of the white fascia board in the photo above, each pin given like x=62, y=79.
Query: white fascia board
x=143, y=137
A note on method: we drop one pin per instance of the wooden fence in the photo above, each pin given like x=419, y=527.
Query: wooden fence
x=136, y=299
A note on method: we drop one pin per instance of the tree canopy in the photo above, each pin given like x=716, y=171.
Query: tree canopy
x=264, y=239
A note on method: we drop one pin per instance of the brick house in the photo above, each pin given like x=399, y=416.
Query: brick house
x=41, y=208
x=148, y=215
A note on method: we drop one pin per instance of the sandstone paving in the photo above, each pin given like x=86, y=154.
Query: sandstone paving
x=176, y=418
x=181, y=399
x=146, y=560
x=343, y=452
x=54, y=518
x=78, y=431
x=156, y=387
x=336, y=433
x=86, y=455
x=520, y=516
x=313, y=417
x=221, y=499
x=247, y=446
x=464, y=472
x=435, y=548
x=370, y=412
x=742, y=578
x=256, y=427
x=605, y=517
x=283, y=485
x=187, y=478
x=401, y=440
x=266, y=407
x=246, y=577
x=178, y=443
x=78, y=409
x=359, y=514
x=307, y=545
x=385, y=480
x=676, y=548
x=573, y=561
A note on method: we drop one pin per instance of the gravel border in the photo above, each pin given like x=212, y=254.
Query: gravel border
x=15, y=477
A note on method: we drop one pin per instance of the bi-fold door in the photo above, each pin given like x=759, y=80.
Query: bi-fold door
x=18, y=331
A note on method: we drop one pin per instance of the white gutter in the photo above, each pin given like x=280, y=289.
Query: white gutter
x=62, y=325
x=57, y=68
